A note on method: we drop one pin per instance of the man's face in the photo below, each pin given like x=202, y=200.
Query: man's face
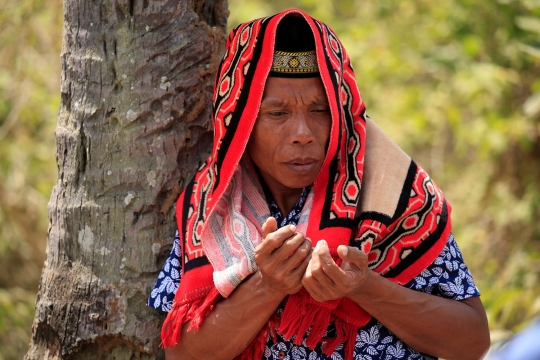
x=288, y=142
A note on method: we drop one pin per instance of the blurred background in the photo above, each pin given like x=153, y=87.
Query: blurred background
x=456, y=83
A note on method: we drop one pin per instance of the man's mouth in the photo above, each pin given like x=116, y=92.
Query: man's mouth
x=301, y=165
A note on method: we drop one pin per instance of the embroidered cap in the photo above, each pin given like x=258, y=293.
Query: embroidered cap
x=304, y=62
x=294, y=50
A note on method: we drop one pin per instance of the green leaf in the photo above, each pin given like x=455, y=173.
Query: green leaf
x=531, y=48
x=528, y=23
x=531, y=107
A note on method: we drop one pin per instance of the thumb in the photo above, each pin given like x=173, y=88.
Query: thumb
x=269, y=226
x=351, y=254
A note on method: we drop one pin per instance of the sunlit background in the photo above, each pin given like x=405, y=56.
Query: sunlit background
x=454, y=82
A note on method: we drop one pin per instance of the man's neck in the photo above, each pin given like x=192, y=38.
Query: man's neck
x=286, y=199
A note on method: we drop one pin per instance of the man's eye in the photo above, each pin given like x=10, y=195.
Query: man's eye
x=277, y=113
x=325, y=110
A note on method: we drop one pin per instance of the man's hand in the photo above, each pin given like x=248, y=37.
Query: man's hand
x=282, y=257
x=325, y=280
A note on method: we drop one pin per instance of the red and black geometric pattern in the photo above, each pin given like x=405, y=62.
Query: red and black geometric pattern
x=396, y=246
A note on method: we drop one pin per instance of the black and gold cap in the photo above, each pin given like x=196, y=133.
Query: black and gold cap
x=294, y=50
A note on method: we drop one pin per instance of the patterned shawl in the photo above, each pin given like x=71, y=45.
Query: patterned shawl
x=368, y=194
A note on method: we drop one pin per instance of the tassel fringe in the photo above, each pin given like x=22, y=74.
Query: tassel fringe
x=313, y=318
x=172, y=326
x=181, y=314
x=346, y=333
x=302, y=314
x=201, y=312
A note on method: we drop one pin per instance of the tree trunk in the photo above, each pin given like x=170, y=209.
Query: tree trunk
x=133, y=126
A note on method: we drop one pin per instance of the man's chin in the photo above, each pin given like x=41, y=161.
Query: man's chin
x=299, y=181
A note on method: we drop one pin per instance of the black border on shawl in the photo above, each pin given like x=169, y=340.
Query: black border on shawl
x=351, y=159
x=185, y=206
x=195, y=263
x=405, y=195
x=200, y=261
x=375, y=216
x=401, y=206
x=326, y=221
x=421, y=249
x=242, y=101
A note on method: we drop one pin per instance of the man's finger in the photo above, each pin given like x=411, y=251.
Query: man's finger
x=328, y=265
x=275, y=239
x=302, y=268
x=288, y=247
x=311, y=284
x=298, y=255
x=322, y=262
x=269, y=226
x=352, y=255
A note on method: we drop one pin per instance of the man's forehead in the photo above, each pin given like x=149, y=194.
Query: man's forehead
x=282, y=91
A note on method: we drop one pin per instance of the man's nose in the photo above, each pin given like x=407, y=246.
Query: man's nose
x=302, y=133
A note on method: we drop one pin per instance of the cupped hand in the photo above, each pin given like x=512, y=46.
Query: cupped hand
x=282, y=257
x=325, y=280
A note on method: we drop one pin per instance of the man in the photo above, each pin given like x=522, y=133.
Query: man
x=307, y=232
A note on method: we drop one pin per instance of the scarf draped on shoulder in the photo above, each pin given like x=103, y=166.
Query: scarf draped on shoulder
x=368, y=194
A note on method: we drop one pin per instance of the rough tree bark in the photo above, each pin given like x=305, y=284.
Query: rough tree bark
x=133, y=126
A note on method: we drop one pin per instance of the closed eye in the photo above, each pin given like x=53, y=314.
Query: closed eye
x=321, y=110
x=277, y=113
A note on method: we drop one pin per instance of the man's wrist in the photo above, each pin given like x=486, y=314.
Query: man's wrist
x=269, y=294
x=369, y=290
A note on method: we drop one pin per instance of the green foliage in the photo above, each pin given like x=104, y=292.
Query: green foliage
x=16, y=314
x=30, y=34
x=454, y=82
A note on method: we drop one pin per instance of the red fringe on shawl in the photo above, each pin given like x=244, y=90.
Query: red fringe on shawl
x=181, y=314
x=346, y=333
x=313, y=317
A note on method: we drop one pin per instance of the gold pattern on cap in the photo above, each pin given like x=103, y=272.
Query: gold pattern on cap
x=295, y=62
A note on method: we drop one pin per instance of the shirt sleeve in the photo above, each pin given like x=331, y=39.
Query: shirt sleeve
x=162, y=295
x=447, y=276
